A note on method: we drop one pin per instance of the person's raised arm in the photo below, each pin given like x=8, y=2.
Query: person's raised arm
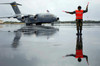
x=70, y=12
x=86, y=8
x=85, y=56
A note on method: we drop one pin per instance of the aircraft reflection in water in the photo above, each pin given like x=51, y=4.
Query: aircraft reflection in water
x=39, y=30
x=30, y=30
x=16, y=39
x=79, y=50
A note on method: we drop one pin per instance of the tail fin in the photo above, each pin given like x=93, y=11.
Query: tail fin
x=14, y=6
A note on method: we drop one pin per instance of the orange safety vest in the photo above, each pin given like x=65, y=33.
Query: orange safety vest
x=79, y=54
x=79, y=14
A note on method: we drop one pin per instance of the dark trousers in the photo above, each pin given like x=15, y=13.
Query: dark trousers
x=79, y=24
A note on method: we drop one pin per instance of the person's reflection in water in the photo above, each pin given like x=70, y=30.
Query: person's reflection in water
x=16, y=39
x=79, y=50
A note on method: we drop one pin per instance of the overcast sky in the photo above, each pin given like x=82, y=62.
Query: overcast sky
x=55, y=7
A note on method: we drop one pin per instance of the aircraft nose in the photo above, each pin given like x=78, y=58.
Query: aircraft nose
x=57, y=18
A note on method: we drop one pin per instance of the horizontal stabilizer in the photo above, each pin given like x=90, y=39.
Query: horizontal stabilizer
x=12, y=3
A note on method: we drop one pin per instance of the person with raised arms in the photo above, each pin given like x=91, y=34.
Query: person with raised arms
x=79, y=18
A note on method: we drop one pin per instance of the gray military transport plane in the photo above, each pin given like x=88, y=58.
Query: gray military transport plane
x=37, y=19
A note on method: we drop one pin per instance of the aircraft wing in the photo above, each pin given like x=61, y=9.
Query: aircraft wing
x=14, y=16
x=6, y=17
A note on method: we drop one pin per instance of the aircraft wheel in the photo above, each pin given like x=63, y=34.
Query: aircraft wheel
x=52, y=23
x=28, y=24
x=38, y=23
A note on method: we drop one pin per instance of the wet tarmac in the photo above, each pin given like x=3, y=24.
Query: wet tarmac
x=46, y=45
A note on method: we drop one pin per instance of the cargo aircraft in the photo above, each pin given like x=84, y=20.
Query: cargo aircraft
x=37, y=19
